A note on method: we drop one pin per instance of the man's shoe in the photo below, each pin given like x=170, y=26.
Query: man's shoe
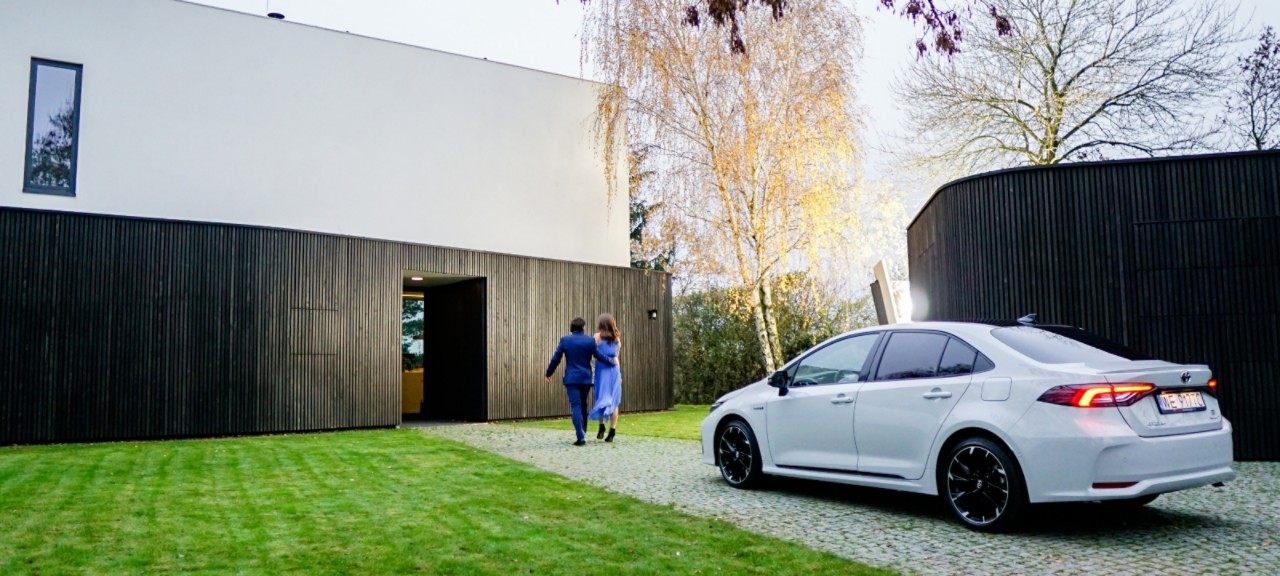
x=609, y=438
x=580, y=443
x=600, y=432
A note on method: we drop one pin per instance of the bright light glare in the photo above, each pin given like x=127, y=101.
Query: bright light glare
x=905, y=307
x=909, y=302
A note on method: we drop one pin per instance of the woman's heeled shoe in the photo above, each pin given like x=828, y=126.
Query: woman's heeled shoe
x=600, y=432
x=609, y=438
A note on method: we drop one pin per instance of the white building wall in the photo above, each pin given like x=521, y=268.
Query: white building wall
x=195, y=113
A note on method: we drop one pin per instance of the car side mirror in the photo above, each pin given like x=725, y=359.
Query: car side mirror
x=779, y=380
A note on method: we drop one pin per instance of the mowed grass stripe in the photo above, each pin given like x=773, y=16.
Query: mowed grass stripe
x=681, y=422
x=390, y=501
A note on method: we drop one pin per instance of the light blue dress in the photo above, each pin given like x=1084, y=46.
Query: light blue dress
x=608, y=383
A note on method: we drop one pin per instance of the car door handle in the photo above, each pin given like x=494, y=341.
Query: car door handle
x=842, y=400
x=937, y=393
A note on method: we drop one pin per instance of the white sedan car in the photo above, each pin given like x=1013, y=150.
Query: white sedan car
x=993, y=417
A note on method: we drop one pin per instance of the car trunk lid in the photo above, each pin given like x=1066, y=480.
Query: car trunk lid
x=1174, y=406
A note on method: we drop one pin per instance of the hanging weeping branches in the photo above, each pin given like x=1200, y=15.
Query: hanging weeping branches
x=752, y=155
x=942, y=21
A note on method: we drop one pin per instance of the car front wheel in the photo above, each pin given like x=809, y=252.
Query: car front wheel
x=981, y=485
x=737, y=455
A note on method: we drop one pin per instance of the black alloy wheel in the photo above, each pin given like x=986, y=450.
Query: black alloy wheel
x=981, y=485
x=737, y=455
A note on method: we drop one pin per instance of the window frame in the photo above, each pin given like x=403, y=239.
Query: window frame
x=972, y=362
x=27, y=186
x=884, y=343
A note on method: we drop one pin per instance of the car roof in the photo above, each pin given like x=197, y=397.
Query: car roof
x=965, y=330
x=959, y=328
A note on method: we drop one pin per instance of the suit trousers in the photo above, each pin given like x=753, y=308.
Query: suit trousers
x=579, y=405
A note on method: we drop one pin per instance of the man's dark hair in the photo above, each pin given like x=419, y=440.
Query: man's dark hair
x=577, y=325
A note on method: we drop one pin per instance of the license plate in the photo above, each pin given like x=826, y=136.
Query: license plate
x=1174, y=402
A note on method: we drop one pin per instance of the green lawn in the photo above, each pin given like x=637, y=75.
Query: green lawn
x=679, y=422
x=391, y=501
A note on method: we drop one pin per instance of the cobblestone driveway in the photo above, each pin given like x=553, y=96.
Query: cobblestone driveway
x=1232, y=530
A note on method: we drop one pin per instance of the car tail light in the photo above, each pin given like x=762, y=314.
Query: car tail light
x=1097, y=395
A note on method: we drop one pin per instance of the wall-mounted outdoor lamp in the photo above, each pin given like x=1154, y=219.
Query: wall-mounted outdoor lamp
x=653, y=314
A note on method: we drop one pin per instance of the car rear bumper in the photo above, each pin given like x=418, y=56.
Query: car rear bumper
x=1066, y=457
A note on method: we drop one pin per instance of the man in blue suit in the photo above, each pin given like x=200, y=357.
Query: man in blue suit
x=577, y=348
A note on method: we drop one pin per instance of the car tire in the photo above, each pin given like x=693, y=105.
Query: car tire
x=738, y=455
x=981, y=485
x=1131, y=503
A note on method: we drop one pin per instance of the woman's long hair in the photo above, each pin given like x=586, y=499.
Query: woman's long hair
x=608, y=328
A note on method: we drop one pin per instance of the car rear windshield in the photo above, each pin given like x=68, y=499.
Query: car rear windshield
x=1064, y=345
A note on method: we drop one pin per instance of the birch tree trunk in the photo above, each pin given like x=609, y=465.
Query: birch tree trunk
x=770, y=322
x=762, y=334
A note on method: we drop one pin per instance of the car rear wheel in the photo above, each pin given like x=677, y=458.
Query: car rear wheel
x=981, y=485
x=737, y=455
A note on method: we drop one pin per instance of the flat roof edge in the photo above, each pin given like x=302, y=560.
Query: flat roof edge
x=1075, y=165
x=389, y=41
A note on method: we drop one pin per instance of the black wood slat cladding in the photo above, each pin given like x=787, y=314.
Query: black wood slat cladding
x=1177, y=256
x=116, y=328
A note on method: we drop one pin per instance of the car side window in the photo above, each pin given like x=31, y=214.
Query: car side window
x=957, y=359
x=837, y=363
x=912, y=355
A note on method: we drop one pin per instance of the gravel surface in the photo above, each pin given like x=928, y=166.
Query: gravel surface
x=1231, y=530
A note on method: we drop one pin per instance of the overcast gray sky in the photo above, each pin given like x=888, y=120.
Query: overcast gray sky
x=543, y=34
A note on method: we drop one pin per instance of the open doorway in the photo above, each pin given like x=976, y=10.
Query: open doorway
x=444, y=345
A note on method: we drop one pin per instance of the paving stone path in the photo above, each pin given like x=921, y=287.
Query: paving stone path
x=1231, y=530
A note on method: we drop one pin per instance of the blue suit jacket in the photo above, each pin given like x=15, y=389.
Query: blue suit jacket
x=577, y=349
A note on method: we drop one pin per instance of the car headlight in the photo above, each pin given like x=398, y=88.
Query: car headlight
x=716, y=404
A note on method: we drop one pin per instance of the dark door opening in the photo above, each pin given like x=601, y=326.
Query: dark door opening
x=444, y=348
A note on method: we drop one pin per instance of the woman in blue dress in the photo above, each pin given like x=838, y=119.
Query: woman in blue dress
x=608, y=378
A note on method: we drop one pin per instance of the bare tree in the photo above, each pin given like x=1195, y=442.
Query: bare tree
x=1253, y=109
x=1075, y=79
x=752, y=156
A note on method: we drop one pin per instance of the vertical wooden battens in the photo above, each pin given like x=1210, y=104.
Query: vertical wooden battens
x=115, y=328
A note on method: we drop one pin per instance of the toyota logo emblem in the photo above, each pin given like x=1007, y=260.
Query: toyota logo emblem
x=1186, y=377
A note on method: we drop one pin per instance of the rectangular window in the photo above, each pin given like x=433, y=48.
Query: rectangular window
x=911, y=355
x=53, y=128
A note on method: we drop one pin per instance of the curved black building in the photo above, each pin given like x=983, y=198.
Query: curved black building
x=1177, y=256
